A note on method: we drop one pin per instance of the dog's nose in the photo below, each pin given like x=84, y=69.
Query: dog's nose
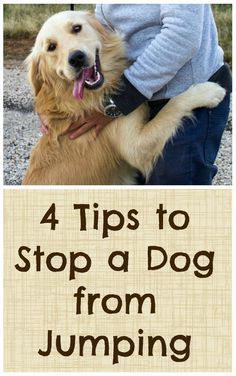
x=77, y=59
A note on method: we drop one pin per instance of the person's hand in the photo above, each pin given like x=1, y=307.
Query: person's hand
x=44, y=124
x=96, y=120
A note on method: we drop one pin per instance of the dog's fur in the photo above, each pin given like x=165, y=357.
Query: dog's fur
x=124, y=145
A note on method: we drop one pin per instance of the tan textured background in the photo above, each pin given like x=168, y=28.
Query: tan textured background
x=36, y=302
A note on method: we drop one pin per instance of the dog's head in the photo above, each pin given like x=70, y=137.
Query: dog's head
x=68, y=48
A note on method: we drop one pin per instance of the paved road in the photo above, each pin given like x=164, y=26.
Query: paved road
x=21, y=131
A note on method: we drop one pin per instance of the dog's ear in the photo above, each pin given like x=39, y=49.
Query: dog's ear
x=111, y=40
x=97, y=25
x=34, y=74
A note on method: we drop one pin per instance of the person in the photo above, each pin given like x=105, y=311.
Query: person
x=169, y=47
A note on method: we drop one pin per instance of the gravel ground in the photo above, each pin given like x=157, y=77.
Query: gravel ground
x=21, y=131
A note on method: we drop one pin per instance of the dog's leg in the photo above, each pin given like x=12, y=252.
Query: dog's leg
x=141, y=145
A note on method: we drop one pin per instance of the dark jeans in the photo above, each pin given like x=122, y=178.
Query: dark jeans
x=188, y=159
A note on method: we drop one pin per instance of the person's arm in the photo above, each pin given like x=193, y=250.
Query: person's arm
x=178, y=41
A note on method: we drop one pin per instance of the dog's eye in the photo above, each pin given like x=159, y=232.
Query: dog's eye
x=52, y=47
x=76, y=28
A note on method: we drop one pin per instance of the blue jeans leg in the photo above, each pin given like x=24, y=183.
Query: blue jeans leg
x=188, y=159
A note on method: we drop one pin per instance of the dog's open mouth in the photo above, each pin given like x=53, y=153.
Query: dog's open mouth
x=91, y=78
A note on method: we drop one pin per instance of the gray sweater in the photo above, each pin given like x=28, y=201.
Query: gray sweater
x=170, y=46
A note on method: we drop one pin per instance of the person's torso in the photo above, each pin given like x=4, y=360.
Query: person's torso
x=139, y=24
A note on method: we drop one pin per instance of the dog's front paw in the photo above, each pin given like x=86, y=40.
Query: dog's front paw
x=216, y=94
x=208, y=94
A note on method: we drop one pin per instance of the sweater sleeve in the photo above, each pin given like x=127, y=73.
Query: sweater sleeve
x=177, y=43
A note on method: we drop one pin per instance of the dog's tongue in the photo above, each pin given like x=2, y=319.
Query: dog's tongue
x=78, y=89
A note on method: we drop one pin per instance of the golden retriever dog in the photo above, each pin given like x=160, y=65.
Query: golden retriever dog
x=75, y=62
